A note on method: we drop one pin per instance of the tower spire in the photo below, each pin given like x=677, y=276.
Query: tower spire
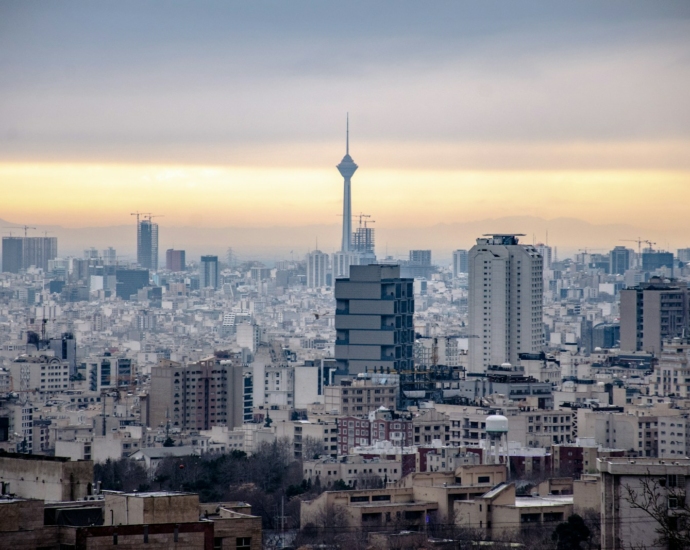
x=347, y=134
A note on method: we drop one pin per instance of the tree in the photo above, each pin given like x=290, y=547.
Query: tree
x=665, y=503
x=312, y=448
x=570, y=534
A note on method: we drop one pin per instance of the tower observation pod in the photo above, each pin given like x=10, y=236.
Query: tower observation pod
x=496, y=437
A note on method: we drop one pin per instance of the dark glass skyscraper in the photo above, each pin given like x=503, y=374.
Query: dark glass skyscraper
x=147, y=244
x=208, y=275
x=12, y=254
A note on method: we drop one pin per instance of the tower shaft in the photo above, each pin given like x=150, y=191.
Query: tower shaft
x=347, y=217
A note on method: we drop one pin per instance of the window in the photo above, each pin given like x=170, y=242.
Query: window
x=483, y=479
x=244, y=543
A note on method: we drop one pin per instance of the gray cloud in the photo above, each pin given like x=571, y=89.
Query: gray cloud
x=93, y=80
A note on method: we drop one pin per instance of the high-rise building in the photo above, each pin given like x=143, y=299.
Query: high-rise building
x=374, y=320
x=197, y=396
x=175, y=260
x=147, y=244
x=25, y=252
x=130, y=281
x=420, y=257
x=347, y=168
x=460, y=262
x=620, y=258
x=363, y=242
x=38, y=250
x=504, y=301
x=546, y=253
x=12, y=254
x=653, y=312
x=684, y=255
x=317, y=267
x=110, y=256
x=209, y=273
x=655, y=259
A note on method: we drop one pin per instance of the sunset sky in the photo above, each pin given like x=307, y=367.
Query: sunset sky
x=219, y=114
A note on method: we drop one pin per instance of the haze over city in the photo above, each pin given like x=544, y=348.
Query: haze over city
x=233, y=116
x=367, y=275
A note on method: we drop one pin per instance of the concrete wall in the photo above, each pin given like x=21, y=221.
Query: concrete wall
x=147, y=508
x=46, y=478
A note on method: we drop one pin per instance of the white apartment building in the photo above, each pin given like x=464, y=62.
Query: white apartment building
x=317, y=267
x=41, y=374
x=505, y=301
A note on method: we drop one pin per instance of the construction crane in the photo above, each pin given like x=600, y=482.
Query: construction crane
x=25, y=227
x=137, y=214
x=639, y=242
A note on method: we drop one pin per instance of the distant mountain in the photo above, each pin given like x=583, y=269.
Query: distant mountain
x=272, y=243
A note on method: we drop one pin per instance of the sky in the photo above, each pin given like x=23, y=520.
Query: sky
x=229, y=114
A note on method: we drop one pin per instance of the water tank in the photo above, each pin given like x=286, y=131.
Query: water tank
x=496, y=424
x=506, y=366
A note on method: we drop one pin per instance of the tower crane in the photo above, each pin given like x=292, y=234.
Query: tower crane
x=137, y=214
x=25, y=227
x=639, y=242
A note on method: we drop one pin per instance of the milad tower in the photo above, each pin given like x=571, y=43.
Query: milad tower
x=346, y=257
x=347, y=168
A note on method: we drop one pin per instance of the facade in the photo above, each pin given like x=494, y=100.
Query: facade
x=546, y=253
x=505, y=301
x=175, y=260
x=248, y=336
x=360, y=396
x=354, y=470
x=663, y=484
x=500, y=513
x=378, y=427
x=12, y=254
x=130, y=281
x=671, y=376
x=653, y=312
x=46, y=477
x=317, y=267
x=460, y=262
x=196, y=396
x=40, y=374
x=620, y=260
x=24, y=252
x=147, y=244
x=656, y=259
x=301, y=432
x=420, y=257
x=209, y=273
x=374, y=320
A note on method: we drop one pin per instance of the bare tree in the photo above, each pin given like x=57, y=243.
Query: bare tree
x=667, y=506
x=312, y=448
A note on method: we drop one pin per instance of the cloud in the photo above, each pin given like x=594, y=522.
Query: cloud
x=134, y=81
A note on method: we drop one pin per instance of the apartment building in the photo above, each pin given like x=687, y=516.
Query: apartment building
x=303, y=433
x=382, y=425
x=354, y=470
x=624, y=525
x=530, y=428
x=361, y=395
x=505, y=301
x=374, y=320
x=653, y=312
x=197, y=396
